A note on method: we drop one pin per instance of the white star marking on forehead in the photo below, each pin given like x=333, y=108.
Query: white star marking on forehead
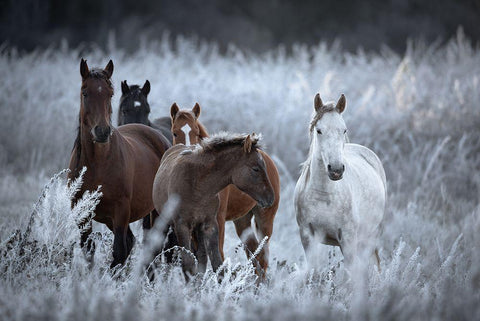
x=137, y=103
x=186, y=130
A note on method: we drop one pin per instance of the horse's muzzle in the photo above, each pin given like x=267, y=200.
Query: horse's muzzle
x=101, y=134
x=266, y=202
x=335, y=174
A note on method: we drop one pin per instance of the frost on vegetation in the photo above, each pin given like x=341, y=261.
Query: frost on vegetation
x=52, y=230
x=419, y=112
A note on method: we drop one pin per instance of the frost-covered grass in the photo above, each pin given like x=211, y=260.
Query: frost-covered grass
x=418, y=112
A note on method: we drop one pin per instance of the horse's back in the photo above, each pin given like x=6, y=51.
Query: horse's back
x=361, y=154
x=164, y=125
x=145, y=136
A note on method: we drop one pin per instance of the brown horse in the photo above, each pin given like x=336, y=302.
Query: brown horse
x=122, y=160
x=235, y=205
x=196, y=174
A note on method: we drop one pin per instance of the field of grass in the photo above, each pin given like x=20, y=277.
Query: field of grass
x=419, y=112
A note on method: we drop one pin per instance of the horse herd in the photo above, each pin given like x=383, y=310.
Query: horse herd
x=143, y=165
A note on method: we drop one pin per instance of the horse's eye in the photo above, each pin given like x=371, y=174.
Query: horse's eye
x=256, y=169
x=174, y=134
x=319, y=131
x=84, y=94
x=345, y=131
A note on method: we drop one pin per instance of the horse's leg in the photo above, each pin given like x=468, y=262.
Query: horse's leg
x=120, y=229
x=130, y=240
x=201, y=253
x=348, y=246
x=184, y=237
x=210, y=234
x=243, y=227
x=305, y=237
x=264, y=223
x=149, y=220
x=119, y=245
x=86, y=243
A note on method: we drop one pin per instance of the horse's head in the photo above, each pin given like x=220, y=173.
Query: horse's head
x=96, y=96
x=328, y=133
x=251, y=176
x=186, y=128
x=134, y=107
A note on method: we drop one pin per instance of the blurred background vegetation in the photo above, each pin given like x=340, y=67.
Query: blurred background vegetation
x=251, y=25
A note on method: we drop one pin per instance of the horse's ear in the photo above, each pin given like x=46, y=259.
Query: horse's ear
x=174, y=110
x=125, y=88
x=247, y=144
x=196, y=110
x=342, y=102
x=84, y=69
x=109, y=69
x=317, y=102
x=146, y=88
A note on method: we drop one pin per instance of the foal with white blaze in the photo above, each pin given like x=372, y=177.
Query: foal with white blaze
x=341, y=193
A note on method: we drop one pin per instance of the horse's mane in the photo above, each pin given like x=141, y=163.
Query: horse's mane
x=224, y=140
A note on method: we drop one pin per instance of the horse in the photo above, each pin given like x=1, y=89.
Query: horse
x=196, y=174
x=341, y=192
x=123, y=161
x=235, y=205
x=134, y=108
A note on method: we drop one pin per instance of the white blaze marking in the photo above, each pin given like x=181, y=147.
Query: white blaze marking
x=186, y=130
x=137, y=103
x=99, y=89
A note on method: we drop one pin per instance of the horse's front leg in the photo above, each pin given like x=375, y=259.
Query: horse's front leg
x=264, y=218
x=200, y=253
x=306, y=236
x=210, y=234
x=123, y=237
x=184, y=236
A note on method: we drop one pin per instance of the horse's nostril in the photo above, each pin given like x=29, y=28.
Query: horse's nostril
x=343, y=168
x=329, y=167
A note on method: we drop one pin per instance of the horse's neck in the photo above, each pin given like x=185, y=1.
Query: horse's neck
x=219, y=169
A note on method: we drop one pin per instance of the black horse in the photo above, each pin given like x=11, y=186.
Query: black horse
x=134, y=108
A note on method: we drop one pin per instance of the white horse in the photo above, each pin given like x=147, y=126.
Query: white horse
x=341, y=193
